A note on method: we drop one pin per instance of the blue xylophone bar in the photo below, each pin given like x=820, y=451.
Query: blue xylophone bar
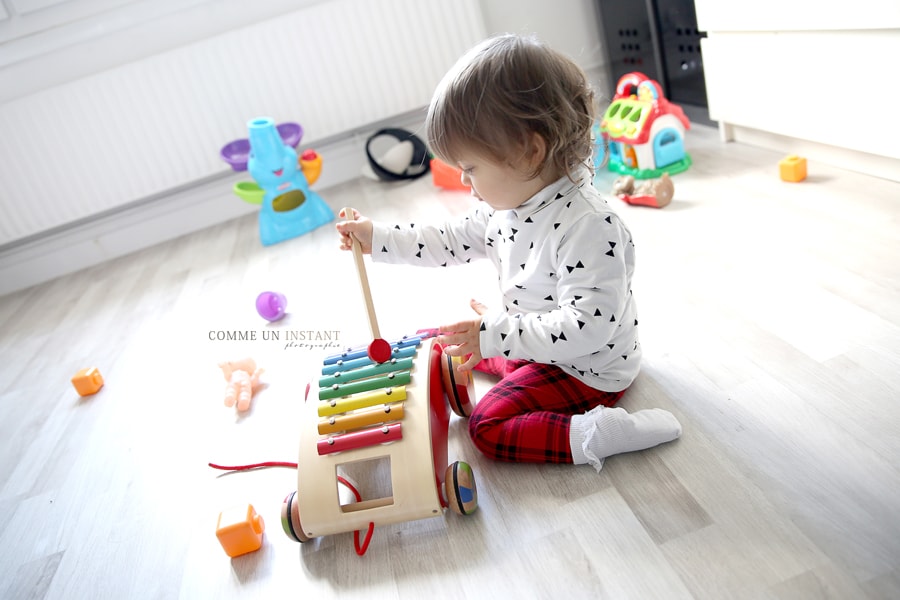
x=362, y=352
x=357, y=363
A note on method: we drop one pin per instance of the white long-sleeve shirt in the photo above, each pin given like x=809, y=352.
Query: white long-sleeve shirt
x=565, y=262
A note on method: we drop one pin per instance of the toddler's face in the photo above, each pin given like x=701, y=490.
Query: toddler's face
x=501, y=186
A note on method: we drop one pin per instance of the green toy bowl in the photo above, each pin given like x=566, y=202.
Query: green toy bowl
x=249, y=191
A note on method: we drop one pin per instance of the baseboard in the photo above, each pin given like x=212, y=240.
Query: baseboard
x=156, y=220
x=875, y=165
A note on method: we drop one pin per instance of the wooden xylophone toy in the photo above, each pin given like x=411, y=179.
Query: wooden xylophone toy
x=392, y=413
x=388, y=411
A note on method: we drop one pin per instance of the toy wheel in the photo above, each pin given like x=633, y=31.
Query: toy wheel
x=459, y=484
x=290, y=519
x=459, y=387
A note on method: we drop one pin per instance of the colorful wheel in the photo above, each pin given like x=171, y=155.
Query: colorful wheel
x=459, y=387
x=290, y=519
x=459, y=483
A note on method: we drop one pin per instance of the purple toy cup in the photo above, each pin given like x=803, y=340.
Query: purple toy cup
x=271, y=305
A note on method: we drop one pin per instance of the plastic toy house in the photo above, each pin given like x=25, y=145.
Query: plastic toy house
x=645, y=132
x=288, y=208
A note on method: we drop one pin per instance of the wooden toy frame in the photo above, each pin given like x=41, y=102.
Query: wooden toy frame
x=422, y=482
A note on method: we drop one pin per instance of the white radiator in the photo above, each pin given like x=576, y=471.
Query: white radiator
x=119, y=137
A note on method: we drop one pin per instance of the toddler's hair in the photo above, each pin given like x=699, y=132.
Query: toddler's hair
x=504, y=90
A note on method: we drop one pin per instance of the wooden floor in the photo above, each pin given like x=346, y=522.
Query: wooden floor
x=770, y=316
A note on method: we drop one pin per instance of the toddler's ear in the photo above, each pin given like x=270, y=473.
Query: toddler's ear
x=537, y=150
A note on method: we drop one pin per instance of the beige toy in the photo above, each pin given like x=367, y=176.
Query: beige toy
x=243, y=379
x=656, y=193
x=391, y=417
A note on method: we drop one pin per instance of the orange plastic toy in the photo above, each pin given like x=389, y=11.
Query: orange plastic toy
x=87, y=381
x=240, y=530
x=446, y=176
x=792, y=168
x=311, y=165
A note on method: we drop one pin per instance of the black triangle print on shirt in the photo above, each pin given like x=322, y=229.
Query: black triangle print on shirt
x=558, y=338
x=580, y=265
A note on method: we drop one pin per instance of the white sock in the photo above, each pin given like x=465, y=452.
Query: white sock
x=605, y=431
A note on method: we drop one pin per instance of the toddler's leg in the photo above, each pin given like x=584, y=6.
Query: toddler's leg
x=605, y=431
x=526, y=416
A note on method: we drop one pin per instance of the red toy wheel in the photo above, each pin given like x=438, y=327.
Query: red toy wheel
x=459, y=387
x=290, y=519
x=459, y=485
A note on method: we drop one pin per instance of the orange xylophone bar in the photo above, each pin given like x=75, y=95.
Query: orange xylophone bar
x=361, y=418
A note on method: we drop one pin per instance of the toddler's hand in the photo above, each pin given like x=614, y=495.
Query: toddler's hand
x=361, y=228
x=464, y=338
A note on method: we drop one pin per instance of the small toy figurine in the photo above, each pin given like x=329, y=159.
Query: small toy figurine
x=243, y=379
x=656, y=193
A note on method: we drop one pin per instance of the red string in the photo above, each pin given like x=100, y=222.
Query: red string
x=261, y=465
x=360, y=549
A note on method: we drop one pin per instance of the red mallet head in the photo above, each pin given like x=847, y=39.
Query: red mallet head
x=379, y=350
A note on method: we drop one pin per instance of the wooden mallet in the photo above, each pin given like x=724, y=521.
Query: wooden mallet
x=379, y=350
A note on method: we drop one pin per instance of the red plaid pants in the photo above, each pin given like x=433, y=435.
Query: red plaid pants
x=525, y=417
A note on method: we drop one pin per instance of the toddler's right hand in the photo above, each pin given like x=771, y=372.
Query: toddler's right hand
x=361, y=228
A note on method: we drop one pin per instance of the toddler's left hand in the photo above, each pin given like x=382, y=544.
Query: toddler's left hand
x=464, y=338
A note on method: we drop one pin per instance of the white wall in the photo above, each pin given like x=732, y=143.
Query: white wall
x=569, y=26
x=44, y=43
x=48, y=44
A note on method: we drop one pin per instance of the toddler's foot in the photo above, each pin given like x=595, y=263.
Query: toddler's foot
x=605, y=431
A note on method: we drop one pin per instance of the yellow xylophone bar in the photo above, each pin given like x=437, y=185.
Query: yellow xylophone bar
x=363, y=400
x=361, y=418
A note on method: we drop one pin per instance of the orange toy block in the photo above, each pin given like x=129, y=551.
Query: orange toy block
x=87, y=381
x=446, y=176
x=792, y=168
x=240, y=530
